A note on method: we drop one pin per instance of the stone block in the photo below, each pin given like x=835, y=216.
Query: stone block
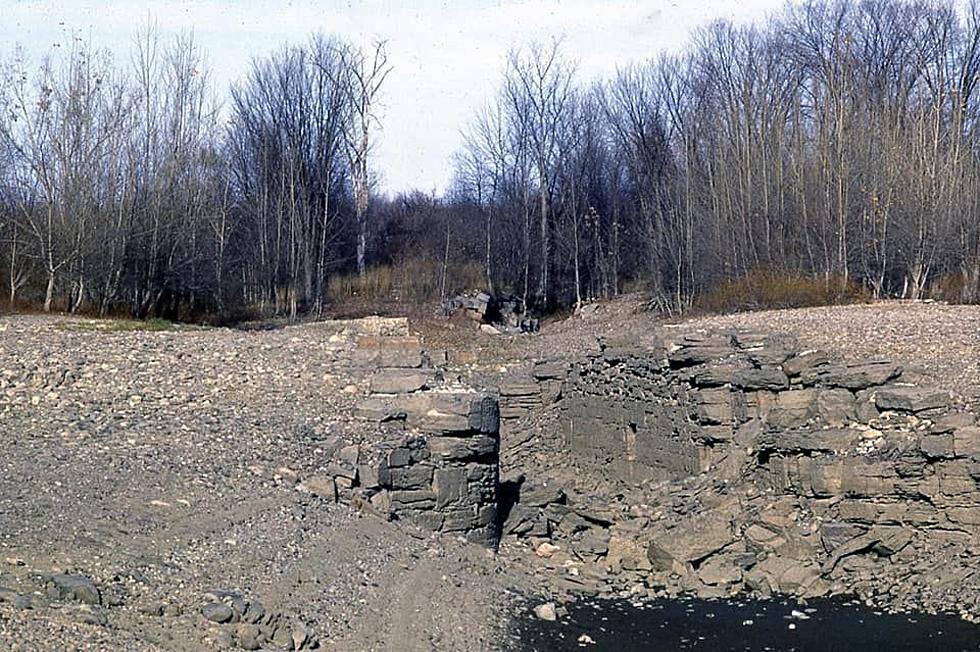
x=415, y=499
x=520, y=520
x=833, y=534
x=939, y=446
x=716, y=374
x=380, y=410
x=428, y=520
x=966, y=442
x=830, y=440
x=367, y=476
x=449, y=412
x=686, y=356
x=773, y=352
x=517, y=388
x=344, y=462
x=486, y=516
x=868, y=479
x=836, y=407
x=854, y=376
x=760, y=537
x=955, y=478
x=627, y=553
x=911, y=399
x=417, y=476
x=714, y=406
x=717, y=433
x=388, y=351
x=720, y=570
x=449, y=485
x=793, y=409
x=459, y=520
x=858, y=511
x=594, y=543
x=400, y=456
x=550, y=370
x=539, y=495
x=824, y=475
x=950, y=422
x=964, y=515
x=323, y=487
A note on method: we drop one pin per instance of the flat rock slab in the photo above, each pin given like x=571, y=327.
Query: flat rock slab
x=401, y=381
x=436, y=412
x=911, y=399
x=853, y=376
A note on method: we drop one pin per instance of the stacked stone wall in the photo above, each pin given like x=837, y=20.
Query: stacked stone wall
x=443, y=472
x=794, y=471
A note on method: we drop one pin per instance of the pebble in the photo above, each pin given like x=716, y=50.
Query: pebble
x=546, y=611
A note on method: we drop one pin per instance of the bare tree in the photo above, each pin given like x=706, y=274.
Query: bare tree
x=364, y=74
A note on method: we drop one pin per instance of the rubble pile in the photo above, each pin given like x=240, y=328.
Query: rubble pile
x=495, y=314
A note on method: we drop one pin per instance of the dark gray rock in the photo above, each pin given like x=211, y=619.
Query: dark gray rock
x=218, y=612
x=417, y=476
x=463, y=448
x=911, y=399
x=856, y=376
x=78, y=588
x=540, y=495
x=804, y=361
x=691, y=355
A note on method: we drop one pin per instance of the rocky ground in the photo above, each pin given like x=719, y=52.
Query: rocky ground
x=151, y=484
x=144, y=471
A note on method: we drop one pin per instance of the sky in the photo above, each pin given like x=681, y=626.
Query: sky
x=447, y=57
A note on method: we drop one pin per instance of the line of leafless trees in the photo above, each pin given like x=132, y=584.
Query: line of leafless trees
x=837, y=138
x=128, y=187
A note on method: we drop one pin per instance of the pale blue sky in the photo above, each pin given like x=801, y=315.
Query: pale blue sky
x=447, y=56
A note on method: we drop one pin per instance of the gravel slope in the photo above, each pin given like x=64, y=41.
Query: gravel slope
x=163, y=465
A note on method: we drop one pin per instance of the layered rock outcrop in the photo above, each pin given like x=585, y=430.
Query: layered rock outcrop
x=752, y=464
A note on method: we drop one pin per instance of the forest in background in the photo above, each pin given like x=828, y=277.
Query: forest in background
x=834, y=145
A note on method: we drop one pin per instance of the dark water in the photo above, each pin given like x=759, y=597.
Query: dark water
x=831, y=624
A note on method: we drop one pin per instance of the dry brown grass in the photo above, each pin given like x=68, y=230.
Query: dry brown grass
x=768, y=289
x=414, y=280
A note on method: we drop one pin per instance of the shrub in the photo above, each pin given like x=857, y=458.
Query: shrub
x=956, y=287
x=765, y=289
